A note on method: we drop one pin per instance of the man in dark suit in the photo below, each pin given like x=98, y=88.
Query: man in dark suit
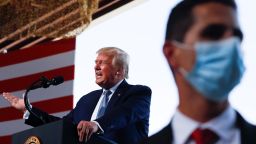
x=202, y=48
x=119, y=111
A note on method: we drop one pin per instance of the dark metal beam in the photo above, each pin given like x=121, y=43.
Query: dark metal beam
x=106, y=6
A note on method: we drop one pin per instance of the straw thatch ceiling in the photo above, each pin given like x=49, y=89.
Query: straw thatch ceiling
x=28, y=22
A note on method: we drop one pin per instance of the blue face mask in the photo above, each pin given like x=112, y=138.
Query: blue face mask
x=218, y=68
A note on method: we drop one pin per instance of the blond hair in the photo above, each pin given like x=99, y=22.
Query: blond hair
x=120, y=58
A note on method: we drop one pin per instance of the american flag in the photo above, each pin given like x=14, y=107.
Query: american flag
x=19, y=69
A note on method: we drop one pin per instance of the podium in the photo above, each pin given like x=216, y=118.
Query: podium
x=59, y=132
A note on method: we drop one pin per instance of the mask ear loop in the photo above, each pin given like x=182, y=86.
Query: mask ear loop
x=183, y=46
x=183, y=71
x=180, y=44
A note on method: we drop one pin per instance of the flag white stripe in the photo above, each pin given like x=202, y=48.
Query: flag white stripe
x=58, y=91
x=38, y=65
x=14, y=126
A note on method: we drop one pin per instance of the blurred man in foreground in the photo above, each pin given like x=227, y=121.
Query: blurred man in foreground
x=202, y=48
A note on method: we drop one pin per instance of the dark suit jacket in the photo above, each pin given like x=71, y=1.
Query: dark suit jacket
x=126, y=118
x=165, y=136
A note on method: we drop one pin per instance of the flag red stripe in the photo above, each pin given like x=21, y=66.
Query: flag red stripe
x=37, y=51
x=64, y=103
x=6, y=139
x=20, y=83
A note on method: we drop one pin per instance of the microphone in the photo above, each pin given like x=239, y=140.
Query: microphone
x=43, y=82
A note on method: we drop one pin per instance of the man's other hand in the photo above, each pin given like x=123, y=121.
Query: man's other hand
x=85, y=129
x=14, y=101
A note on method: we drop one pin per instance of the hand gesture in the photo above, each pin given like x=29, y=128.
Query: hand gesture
x=85, y=129
x=14, y=101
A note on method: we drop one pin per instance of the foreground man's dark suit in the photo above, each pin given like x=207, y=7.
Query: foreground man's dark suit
x=126, y=118
x=165, y=136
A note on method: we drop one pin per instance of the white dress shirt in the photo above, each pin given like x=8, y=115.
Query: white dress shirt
x=113, y=89
x=95, y=112
x=223, y=126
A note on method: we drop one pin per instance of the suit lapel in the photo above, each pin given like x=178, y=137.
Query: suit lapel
x=247, y=130
x=91, y=103
x=95, y=98
x=165, y=136
x=120, y=91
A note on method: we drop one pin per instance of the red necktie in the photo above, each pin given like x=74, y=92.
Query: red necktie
x=204, y=136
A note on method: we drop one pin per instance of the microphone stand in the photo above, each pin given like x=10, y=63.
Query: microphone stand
x=27, y=103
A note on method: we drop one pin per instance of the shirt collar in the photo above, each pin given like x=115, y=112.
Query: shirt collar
x=183, y=126
x=223, y=124
x=113, y=89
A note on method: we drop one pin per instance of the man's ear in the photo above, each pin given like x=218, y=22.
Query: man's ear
x=169, y=53
x=119, y=72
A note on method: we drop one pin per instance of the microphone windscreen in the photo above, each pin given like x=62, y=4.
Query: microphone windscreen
x=57, y=80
